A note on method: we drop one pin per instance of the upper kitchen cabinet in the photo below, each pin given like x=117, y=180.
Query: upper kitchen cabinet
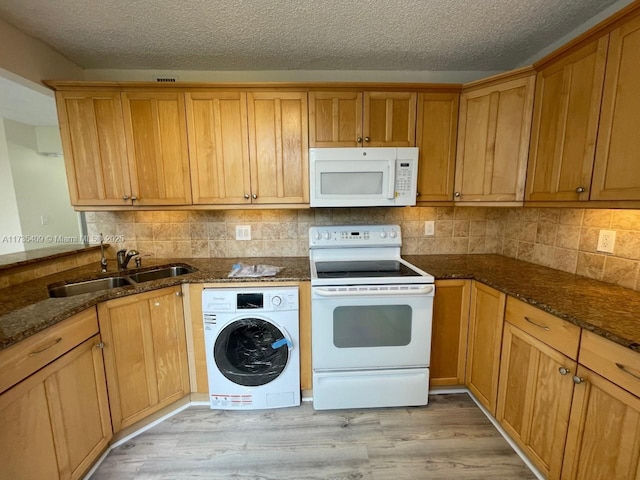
x=616, y=171
x=156, y=136
x=436, y=140
x=278, y=147
x=335, y=119
x=362, y=119
x=95, y=152
x=565, y=125
x=218, y=147
x=493, y=139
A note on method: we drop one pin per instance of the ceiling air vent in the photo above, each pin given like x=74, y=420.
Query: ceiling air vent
x=165, y=78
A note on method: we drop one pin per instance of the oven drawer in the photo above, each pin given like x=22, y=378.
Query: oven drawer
x=372, y=388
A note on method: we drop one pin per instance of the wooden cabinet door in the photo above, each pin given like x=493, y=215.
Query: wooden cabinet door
x=436, y=139
x=449, y=332
x=218, y=147
x=278, y=147
x=55, y=423
x=616, y=172
x=486, y=316
x=493, y=141
x=389, y=119
x=156, y=133
x=604, y=431
x=565, y=124
x=534, y=398
x=335, y=119
x=27, y=448
x=79, y=408
x=95, y=152
x=145, y=353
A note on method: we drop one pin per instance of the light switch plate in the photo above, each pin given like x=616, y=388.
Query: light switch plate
x=606, y=241
x=243, y=232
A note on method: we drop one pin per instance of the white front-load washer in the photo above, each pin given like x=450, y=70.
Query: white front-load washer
x=252, y=341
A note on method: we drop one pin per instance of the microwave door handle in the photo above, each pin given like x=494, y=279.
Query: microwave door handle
x=391, y=191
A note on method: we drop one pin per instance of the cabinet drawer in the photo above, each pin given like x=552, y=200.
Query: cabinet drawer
x=555, y=332
x=22, y=359
x=614, y=362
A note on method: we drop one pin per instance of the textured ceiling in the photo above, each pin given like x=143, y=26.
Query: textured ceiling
x=432, y=35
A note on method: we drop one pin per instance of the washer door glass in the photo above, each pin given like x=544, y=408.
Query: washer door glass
x=251, y=352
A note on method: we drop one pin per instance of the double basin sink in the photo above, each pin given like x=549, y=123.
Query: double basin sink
x=124, y=280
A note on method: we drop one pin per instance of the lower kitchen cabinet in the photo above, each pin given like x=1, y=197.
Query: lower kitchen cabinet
x=534, y=397
x=449, y=332
x=145, y=353
x=603, y=442
x=486, y=317
x=55, y=423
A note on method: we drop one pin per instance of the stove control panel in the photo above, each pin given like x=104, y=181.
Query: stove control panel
x=355, y=235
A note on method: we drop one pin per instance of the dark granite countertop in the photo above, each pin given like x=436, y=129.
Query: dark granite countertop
x=19, y=259
x=26, y=308
x=605, y=309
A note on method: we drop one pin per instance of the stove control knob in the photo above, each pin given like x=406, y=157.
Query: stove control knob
x=327, y=236
x=318, y=235
x=393, y=234
x=383, y=234
x=276, y=301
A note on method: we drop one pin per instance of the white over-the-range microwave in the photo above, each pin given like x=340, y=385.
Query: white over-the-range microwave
x=363, y=177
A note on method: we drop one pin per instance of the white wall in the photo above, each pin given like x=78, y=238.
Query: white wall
x=9, y=216
x=40, y=188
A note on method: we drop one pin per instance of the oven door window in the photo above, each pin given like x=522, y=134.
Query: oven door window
x=372, y=326
x=250, y=352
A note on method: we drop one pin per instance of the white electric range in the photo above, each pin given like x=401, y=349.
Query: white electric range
x=371, y=319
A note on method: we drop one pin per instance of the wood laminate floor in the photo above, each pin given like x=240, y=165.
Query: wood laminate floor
x=449, y=439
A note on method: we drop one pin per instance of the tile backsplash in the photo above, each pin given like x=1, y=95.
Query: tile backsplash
x=560, y=238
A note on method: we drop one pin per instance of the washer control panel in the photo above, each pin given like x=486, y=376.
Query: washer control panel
x=221, y=300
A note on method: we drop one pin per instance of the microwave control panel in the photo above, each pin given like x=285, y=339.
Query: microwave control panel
x=406, y=180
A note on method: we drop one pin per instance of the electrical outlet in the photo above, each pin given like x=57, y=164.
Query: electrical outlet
x=44, y=220
x=429, y=228
x=606, y=241
x=243, y=232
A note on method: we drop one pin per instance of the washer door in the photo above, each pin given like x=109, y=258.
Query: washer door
x=251, y=352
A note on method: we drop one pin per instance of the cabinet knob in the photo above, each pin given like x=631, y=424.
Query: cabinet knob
x=99, y=345
x=246, y=196
x=254, y=196
x=359, y=140
x=178, y=294
x=366, y=139
x=134, y=198
x=417, y=194
x=580, y=190
x=564, y=371
x=457, y=194
x=125, y=197
x=578, y=380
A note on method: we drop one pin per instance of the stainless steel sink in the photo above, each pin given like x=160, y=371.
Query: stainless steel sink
x=123, y=280
x=89, y=286
x=159, y=273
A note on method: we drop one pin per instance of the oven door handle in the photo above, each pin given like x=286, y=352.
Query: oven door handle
x=326, y=292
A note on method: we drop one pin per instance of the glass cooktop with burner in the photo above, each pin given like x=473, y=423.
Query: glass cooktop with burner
x=364, y=269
